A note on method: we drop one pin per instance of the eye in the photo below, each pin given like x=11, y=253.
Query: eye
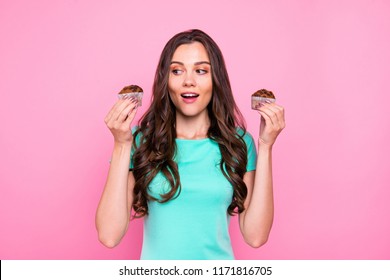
x=176, y=71
x=201, y=71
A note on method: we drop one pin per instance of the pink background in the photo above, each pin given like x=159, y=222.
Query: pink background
x=62, y=63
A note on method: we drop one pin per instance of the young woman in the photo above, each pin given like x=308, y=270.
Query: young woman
x=192, y=163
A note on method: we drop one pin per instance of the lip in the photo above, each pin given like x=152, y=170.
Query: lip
x=190, y=99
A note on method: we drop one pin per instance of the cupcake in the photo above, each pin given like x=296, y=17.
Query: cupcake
x=262, y=96
x=132, y=91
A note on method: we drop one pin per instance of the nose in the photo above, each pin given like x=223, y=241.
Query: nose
x=189, y=80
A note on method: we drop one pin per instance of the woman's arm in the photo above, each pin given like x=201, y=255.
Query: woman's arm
x=257, y=218
x=113, y=212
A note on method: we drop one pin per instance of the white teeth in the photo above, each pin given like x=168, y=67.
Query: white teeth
x=190, y=95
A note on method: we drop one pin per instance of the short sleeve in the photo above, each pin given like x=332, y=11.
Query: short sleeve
x=131, y=159
x=252, y=154
x=132, y=148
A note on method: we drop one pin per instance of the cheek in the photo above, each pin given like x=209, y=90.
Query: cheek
x=208, y=83
x=171, y=88
x=170, y=84
x=210, y=87
x=173, y=97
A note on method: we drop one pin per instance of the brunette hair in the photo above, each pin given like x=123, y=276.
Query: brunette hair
x=156, y=132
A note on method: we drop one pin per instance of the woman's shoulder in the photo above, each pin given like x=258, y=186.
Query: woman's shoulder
x=247, y=137
x=137, y=134
x=134, y=129
x=243, y=133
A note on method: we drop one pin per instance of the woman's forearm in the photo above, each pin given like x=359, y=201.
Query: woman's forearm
x=258, y=217
x=113, y=212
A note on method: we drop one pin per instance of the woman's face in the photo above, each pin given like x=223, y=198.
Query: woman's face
x=190, y=82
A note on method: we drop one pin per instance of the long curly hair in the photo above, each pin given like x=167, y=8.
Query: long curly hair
x=156, y=130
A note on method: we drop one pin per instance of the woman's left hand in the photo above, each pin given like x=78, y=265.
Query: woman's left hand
x=272, y=123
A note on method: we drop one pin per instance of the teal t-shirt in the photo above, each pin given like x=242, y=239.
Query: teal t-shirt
x=193, y=226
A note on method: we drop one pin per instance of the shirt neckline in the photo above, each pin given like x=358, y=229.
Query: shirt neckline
x=192, y=140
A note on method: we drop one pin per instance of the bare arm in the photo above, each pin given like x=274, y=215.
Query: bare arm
x=113, y=212
x=257, y=218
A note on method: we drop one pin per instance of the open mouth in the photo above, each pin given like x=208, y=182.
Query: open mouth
x=189, y=95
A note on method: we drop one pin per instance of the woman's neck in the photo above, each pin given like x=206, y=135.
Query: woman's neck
x=192, y=127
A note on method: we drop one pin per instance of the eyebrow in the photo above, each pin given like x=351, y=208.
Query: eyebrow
x=196, y=63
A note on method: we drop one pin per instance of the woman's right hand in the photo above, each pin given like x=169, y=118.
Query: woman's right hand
x=119, y=119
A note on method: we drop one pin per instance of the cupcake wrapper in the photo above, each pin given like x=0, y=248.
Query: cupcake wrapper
x=257, y=101
x=137, y=95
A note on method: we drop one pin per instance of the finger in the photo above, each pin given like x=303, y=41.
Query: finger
x=266, y=117
x=112, y=121
x=279, y=108
x=274, y=123
x=133, y=110
x=112, y=111
x=275, y=112
x=119, y=109
x=281, y=115
x=124, y=114
x=269, y=112
x=131, y=116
